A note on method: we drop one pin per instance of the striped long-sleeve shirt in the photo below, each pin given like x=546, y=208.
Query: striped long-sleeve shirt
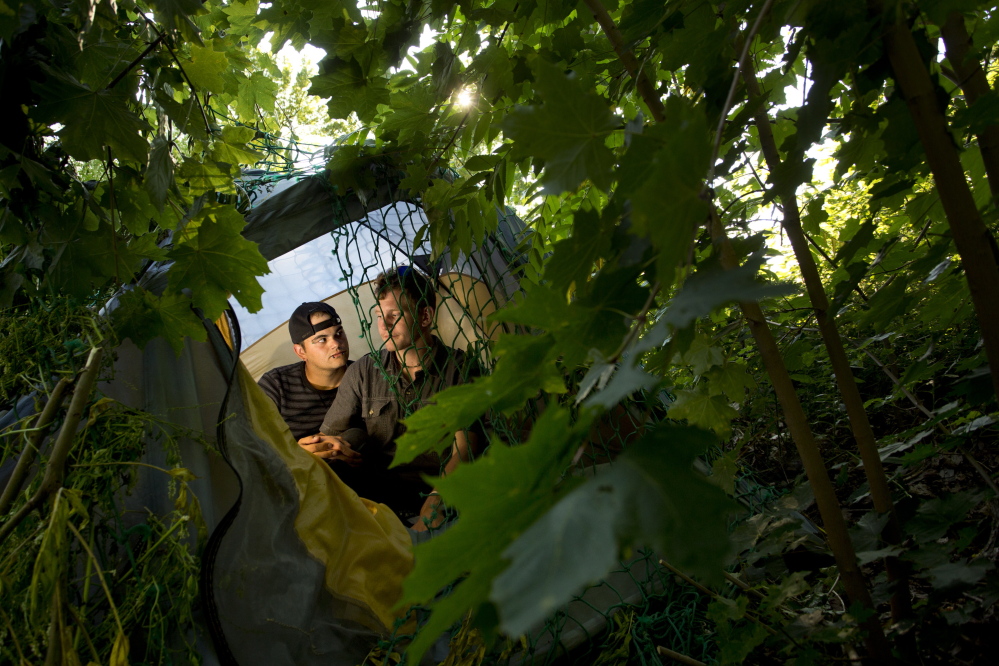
x=302, y=407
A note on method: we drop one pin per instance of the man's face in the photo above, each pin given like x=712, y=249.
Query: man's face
x=399, y=322
x=327, y=349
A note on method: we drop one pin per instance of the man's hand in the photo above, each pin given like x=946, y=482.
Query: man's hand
x=431, y=515
x=331, y=447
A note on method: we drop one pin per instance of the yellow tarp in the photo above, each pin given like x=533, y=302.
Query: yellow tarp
x=366, y=549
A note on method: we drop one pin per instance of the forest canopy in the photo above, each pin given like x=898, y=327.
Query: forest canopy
x=655, y=153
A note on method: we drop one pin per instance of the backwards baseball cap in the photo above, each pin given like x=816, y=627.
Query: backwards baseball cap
x=302, y=329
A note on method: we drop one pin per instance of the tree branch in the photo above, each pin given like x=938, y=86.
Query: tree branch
x=24, y=462
x=55, y=470
x=971, y=78
x=808, y=450
x=149, y=49
x=974, y=241
x=859, y=423
x=642, y=82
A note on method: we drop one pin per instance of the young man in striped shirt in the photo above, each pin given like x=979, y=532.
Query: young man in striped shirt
x=304, y=391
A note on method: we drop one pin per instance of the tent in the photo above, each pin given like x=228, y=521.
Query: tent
x=296, y=568
x=322, y=568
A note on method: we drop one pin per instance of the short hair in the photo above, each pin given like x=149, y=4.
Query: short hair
x=410, y=281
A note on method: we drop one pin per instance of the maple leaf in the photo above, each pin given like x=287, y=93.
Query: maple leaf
x=349, y=91
x=651, y=496
x=142, y=316
x=569, y=131
x=91, y=120
x=216, y=261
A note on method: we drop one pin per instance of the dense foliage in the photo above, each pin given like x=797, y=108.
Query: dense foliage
x=649, y=144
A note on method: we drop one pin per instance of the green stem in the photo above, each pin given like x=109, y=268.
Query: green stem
x=100, y=575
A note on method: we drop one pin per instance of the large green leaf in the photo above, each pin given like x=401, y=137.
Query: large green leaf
x=569, y=132
x=257, y=95
x=651, y=496
x=574, y=257
x=216, y=261
x=499, y=496
x=700, y=408
x=142, y=316
x=526, y=365
x=91, y=119
x=663, y=176
x=159, y=172
x=204, y=176
x=576, y=328
x=936, y=516
x=349, y=90
x=207, y=68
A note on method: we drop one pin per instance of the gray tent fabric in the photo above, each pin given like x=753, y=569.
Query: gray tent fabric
x=310, y=208
x=271, y=600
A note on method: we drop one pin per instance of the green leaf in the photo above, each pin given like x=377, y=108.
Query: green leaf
x=91, y=120
x=349, y=90
x=142, y=316
x=574, y=257
x=482, y=162
x=50, y=561
x=185, y=115
x=569, y=132
x=732, y=380
x=860, y=239
x=934, y=517
x=215, y=261
x=241, y=15
x=663, y=176
x=412, y=111
x=232, y=148
x=963, y=572
x=206, y=69
x=889, y=302
x=707, y=290
x=159, y=172
x=711, y=412
x=258, y=91
x=651, y=496
x=526, y=365
x=702, y=355
x=725, y=471
x=349, y=168
x=628, y=378
x=207, y=176
x=175, y=15
x=577, y=328
x=498, y=495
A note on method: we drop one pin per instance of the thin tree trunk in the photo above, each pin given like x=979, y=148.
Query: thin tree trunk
x=973, y=240
x=860, y=425
x=971, y=78
x=825, y=495
x=815, y=468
